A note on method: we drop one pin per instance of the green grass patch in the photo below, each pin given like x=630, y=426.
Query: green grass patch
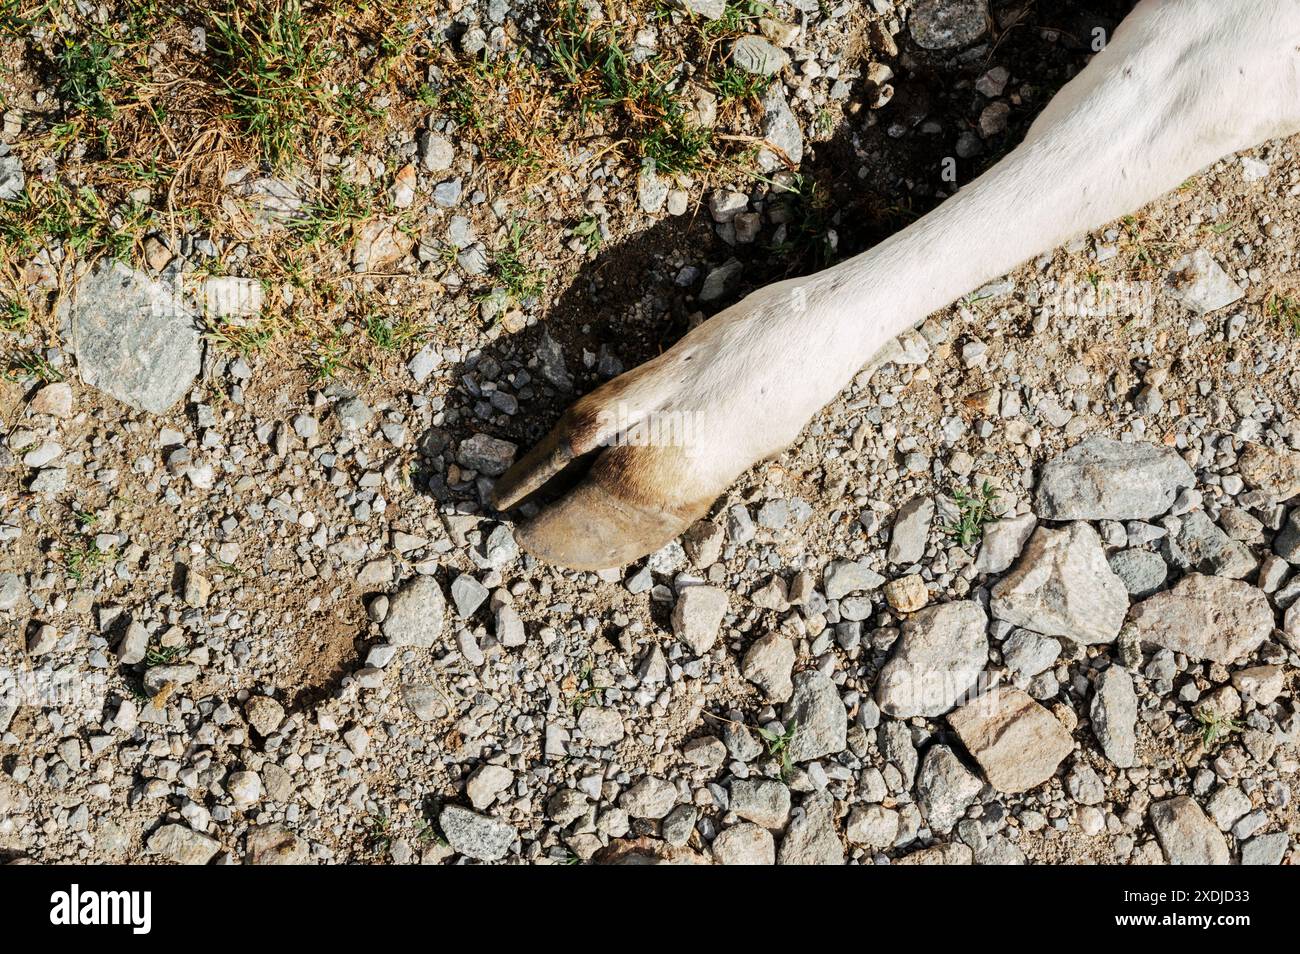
x=272, y=63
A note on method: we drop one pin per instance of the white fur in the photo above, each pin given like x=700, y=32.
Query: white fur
x=1183, y=83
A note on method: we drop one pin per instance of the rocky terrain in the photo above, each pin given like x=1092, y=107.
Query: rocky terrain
x=1026, y=593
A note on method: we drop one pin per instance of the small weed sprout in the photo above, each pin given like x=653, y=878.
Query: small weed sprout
x=974, y=512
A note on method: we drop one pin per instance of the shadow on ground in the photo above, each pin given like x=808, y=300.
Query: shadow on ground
x=877, y=173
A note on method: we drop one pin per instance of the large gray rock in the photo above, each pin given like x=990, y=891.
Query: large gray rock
x=1114, y=715
x=938, y=657
x=1205, y=617
x=476, y=836
x=1201, y=546
x=1063, y=586
x=1017, y=742
x=1101, y=479
x=1186, y=835
x=945, y=788
x=816, y=708
x=417, y=614
x=133, y=337
x=948, y=24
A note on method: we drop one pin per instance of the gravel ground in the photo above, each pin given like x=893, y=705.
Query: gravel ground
x=254, y=612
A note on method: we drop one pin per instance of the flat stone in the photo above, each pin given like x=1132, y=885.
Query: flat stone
x=264, y=714
x=937, y=657
x=487, y=782
x=468, y=594
x=697, y=617
x=780, y=129
x=719, y=282
x=1141, y=571
x=703, y=543
x=763, y=801
x=816, y=709
x=1003, y=541
x=133, y=337
x=12, y=592
x=509, y=628
x=1265, y=849
x=1200, y=283
x=1287, y=543
x=1270, y=471
x=744, y=844
x=843, y=577
x=1063, y=586
x=651, y=190
x=379, y=244
x=951, y=853
x=1227, y=806
x=601, y=726
x=1027, y=653
x=811, y=838
x=709, y=9
x=183, y=845
x=768, y=663
x=948, y=24
x=1186, y=835
x=755, y=55
x=1114, y=715
x=53, y=400
x=872, y=826
x=474, y=835
x=1202, y=546
x=911, y=529
x=12, y=179
x=485, y=454
x=1261, y=684
x=417, y=614
x=1102, y=479
x=1017, y=742
x=945, y=788
x=424, y=701
x=133, y=645
x=649, y=797
x=275, y=844
x=436, y=152
x=907, y=594
x=1205, y=617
